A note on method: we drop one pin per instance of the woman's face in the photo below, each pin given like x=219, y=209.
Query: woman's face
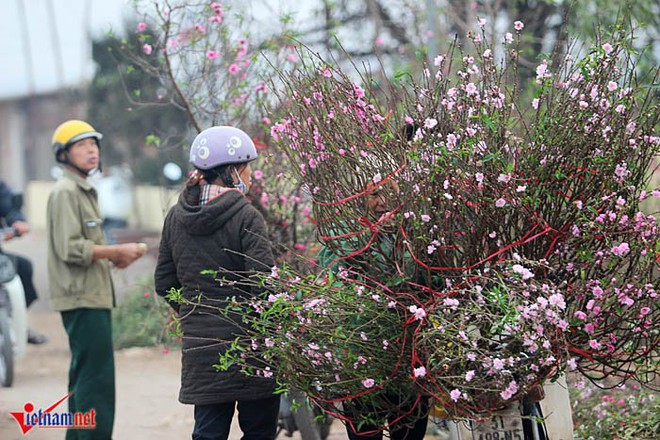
x=245, y=173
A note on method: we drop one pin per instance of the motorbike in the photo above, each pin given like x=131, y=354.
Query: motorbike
x=13, y=314
x=546, y=415
x=297, y=414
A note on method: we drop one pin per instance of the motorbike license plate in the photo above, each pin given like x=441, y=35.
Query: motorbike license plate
x=504, y=425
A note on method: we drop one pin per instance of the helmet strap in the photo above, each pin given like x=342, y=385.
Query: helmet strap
x=65, y=161
x=241, y=186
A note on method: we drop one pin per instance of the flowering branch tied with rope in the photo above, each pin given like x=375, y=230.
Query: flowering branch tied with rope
x=514, y=246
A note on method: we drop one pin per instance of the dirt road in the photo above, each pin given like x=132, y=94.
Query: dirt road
x=147, y=379
x=147, y=386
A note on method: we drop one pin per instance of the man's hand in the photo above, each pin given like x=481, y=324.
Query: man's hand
x=387, y=222
x=125, y=254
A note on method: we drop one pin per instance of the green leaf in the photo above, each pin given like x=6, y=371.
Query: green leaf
x=152, y=139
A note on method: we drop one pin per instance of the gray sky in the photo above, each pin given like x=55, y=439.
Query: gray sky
x=45, y=44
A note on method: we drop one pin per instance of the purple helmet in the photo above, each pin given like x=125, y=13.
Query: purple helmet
x=221, y=145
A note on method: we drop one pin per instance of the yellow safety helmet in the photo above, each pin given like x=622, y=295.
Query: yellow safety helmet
x=70, y=132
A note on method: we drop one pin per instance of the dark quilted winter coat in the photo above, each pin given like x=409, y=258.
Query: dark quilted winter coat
x=227, y=235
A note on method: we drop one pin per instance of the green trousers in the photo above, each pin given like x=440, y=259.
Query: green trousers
x=92, y=370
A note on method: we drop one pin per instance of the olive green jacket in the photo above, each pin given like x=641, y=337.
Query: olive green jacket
x=74, y=227
x=376, y=260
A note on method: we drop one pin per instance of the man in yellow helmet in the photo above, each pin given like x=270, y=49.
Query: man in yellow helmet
x=79, y=275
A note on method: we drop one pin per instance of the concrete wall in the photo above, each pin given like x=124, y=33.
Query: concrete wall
x=26, y=128
x=150, y=205
x=12, y=151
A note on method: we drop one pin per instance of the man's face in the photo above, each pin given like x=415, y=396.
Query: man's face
x=84, y=154
x=381, y=199
x=376, y=203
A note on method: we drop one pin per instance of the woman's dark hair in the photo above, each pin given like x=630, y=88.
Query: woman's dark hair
x=221, y=171
x=409, y=131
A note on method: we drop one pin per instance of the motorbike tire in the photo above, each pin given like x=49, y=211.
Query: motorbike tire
x=6, y=350
x=324, y=426
x=304, y=417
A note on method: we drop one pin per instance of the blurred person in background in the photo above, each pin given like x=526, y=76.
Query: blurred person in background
x=115, y=193
x=13, y=221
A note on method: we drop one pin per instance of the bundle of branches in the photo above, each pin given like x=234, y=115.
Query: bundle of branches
x=512, y=245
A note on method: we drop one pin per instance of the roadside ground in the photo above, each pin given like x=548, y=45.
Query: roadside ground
x=147, y=379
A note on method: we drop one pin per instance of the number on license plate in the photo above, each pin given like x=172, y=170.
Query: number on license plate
x=505, y=425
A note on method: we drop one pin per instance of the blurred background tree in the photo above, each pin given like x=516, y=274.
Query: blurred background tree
x=144, y=130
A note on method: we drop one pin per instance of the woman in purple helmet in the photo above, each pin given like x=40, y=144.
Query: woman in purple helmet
x=214, y=227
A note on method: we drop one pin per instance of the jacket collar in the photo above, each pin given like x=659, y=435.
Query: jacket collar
x=80, y=181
